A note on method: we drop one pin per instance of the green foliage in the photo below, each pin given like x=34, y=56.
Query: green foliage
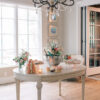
x=21, y=59
x=53, y=50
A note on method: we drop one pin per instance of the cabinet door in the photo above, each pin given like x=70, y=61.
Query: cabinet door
x=93, y=40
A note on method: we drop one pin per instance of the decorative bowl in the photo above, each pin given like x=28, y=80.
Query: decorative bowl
x=54, y=60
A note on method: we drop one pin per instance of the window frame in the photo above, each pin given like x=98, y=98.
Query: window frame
x=16, y=28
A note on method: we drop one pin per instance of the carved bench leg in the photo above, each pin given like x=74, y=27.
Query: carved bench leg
x=60, y=88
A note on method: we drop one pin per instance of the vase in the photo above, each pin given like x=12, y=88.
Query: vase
x=20, y=68
x=54, y=60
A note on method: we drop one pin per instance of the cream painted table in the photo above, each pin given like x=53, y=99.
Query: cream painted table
x=49, y=77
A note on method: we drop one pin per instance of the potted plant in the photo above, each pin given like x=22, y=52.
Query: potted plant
x=53, y=53
x=22, y=59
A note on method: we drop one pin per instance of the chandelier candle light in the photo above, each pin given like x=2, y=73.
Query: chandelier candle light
x=53, y=5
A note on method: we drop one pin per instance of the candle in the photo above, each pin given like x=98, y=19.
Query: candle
x=48, y=69
x=40, y=71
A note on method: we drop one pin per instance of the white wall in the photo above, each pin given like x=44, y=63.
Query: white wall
x=71, y=38
x=72, y=27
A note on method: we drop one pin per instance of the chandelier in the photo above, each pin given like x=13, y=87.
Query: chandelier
x=53, y=5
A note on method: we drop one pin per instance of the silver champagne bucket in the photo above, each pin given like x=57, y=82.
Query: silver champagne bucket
x=54, y=60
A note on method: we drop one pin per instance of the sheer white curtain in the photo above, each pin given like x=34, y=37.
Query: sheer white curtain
x=20, y=28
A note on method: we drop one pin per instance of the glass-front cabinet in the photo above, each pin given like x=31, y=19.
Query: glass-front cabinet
x=93, y=41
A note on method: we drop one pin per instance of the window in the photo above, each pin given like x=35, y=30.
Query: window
x=20, y=28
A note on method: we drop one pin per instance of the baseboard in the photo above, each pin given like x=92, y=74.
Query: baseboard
x=5, y=80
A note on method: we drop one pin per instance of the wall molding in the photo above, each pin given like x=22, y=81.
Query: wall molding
x=83, y=3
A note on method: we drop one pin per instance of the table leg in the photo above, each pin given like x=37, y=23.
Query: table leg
x=83, y=86
x=17, y=89
x=39, y=87
x=60, y=88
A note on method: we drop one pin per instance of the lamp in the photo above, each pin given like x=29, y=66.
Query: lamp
x=53, y=5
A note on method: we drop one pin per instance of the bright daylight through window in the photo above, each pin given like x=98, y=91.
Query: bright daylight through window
x=20, y=28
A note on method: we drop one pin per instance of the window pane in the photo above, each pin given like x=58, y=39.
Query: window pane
x=8, y=12
x=8, y=26
x=8, y=56
x=9, y=53
x=34, y=42
x=28, y=33
x=22, y=27
x=33, y=27
x=0, y=26
x=20, y=51
x=8, y=61
x=8, y=42
x=0, y=42
x=22, y=13
x=0, y=11
x=33, y=15
x=35, y=53
x=0, y=56
x=22, y=42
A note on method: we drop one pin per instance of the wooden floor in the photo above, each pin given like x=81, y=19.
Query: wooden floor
x=70, y=91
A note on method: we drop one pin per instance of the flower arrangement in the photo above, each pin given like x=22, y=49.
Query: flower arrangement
x=53, y=53
x=53, y=49
x=67, y=57
x=22, y=59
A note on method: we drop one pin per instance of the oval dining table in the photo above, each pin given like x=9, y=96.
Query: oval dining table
x=71, y=72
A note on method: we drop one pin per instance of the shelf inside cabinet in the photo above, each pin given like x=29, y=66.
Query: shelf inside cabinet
x=94, y=54
x=95, y=39
x=97, y=25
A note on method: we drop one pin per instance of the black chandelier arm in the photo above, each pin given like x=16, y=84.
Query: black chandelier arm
x=55, y=5
x=44, y=3
x=36, y=2
x=63, y=3
x=40, y=3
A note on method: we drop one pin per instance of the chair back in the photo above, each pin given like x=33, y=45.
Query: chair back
x=79, y=58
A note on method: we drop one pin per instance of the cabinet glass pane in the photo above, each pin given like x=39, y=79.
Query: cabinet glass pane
x=94, y=46
x=94, y=42
x=94, y=60
x=97, y=18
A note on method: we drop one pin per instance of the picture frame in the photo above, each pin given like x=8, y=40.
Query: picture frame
x=52, y=18
x=52, y=31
